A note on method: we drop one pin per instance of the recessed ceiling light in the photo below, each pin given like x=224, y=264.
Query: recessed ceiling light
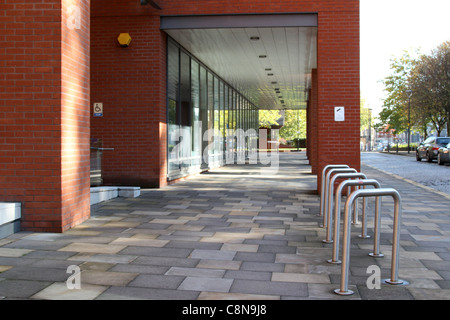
x=268, y=69
x=270, y=74
x=274, y=82
x=254, y=38
x=262, y=56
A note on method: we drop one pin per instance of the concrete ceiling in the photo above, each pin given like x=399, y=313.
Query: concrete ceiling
x=237, y=56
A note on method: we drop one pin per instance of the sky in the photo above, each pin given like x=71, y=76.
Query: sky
x=387, y=28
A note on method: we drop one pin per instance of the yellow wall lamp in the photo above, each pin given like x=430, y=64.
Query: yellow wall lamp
x=124, y=40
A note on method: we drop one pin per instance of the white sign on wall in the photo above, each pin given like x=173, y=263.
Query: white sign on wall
x=339, y=114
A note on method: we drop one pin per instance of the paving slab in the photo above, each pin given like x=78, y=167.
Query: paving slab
x=231, y=233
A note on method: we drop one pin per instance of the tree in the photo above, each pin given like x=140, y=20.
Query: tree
x=430, y=83
x=268, y=118
x=366, y=116
x=395, y=107
x=294, y=127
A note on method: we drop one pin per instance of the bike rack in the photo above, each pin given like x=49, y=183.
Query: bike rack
x=322, y=186
x=343, y=290
x=337, y=206
x=327, y=187
x=331, y=201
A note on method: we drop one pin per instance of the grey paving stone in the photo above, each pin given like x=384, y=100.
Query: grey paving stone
x=277, y=249
x=262, y=266
x=134, y=293
x=140, y=269
x=36, y=245
x=14, y=289
x=166, y=261
x=52, y=255
x=195, y=272
x=213, y=254
x=248, y=275
x=255, y=256
x=194, y=245
x=206, y=284
x=157, y=281
x=157, y=252
x=34, y=273
x=270, y=288
x=390, y=292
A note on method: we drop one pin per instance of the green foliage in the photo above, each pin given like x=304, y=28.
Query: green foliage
x=268, y=118
x=430, y=84
x=294, y=125
x=395, y=107
x=418, y=89
x=366, y=120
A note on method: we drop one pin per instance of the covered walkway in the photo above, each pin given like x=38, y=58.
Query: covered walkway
x=237, y=232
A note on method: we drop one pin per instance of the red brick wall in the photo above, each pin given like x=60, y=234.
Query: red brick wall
x=35, y=119
x=135, y=111
x=338, y=82
x=130, y=82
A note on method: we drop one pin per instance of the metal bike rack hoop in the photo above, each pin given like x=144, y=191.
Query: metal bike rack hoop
x=343, y=290
x=336, y=221
x=328, y=215
x=322, y=185
x=327, y=187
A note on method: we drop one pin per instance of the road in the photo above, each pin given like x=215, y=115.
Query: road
x=429, y=174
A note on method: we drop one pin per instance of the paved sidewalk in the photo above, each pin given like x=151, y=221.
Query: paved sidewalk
x=234, y=233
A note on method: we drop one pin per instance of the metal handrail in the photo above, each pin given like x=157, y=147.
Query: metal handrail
x=102, y=149
x=327, y=187
x=343, y=290
x=337, y=205
x=331, y=201
x=322, y=185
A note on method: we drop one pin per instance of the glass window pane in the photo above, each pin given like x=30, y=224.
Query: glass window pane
x=173, y=81
x=173, y=114
x=216, y=116
x=185, y=89
x=196, y=125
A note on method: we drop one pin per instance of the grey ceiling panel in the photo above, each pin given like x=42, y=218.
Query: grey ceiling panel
x=232, y=54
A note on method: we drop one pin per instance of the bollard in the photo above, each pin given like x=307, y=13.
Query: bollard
x=343, y=290
x=322, y=186
x=327, y=186
x=337, y=208
x=330, y=194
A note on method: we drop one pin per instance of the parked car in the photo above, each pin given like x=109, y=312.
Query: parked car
x=429, y=148
x=444, y=154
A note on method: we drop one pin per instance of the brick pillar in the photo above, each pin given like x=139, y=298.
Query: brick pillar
x=44, y=117
x=338, y=65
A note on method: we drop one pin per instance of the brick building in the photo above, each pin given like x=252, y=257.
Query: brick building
x=191, y=67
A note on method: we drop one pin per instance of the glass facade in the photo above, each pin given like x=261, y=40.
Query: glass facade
x=209, y=122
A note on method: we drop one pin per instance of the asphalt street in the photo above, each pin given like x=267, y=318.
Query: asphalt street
x=428, y=174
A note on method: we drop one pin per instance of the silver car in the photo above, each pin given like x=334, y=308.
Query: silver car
x=429, y=148
x=444, y=154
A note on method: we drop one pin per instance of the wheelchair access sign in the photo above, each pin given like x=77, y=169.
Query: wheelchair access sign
x=98, y=109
